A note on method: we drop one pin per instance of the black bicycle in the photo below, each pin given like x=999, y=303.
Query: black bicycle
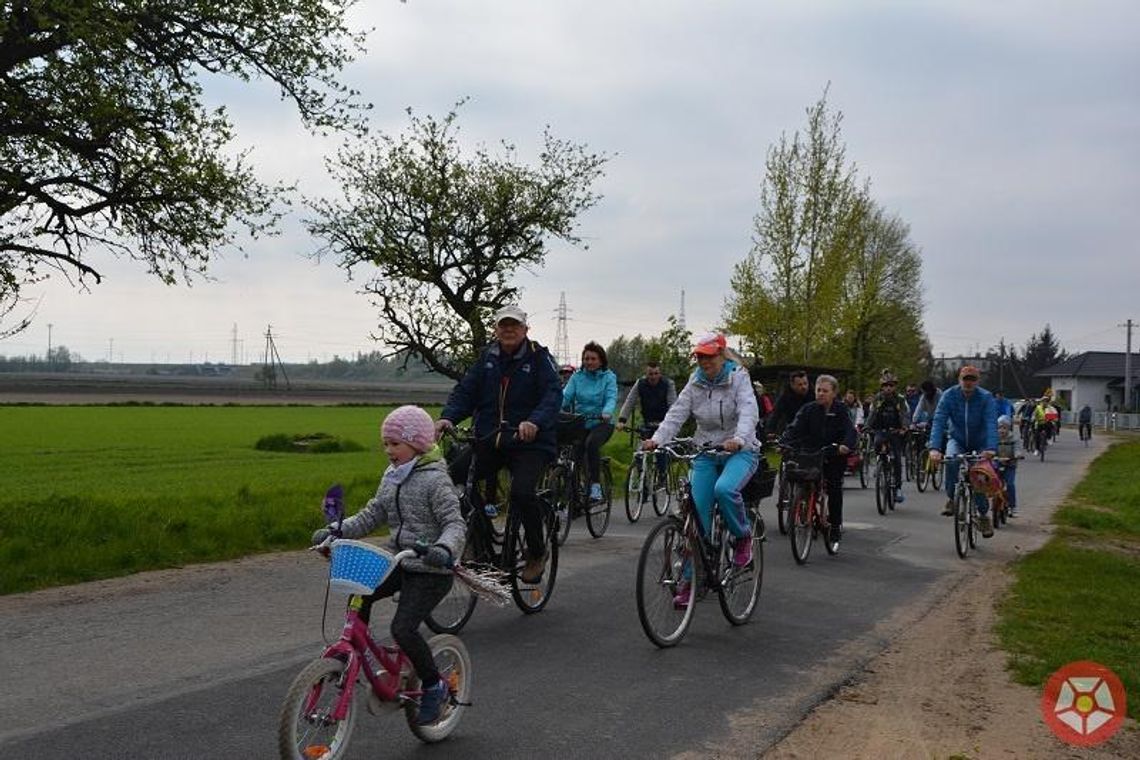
x=492, y=548
x=885, y=485
x=568, y=481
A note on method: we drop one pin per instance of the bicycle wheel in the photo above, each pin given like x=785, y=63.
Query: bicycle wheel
x=909, y=465
x=304, y=728
x=739, y=587
x=882, y=483
x=937, y=475
x=1041, y=446
x=799, y=522
x=634, y=487
x=973, y=532
x=961, y=524
x=673, y=473
x=532, y=597
x=922, y=473
x=665, y=560
x=454, y=610
x=661, y=488
x=862, y=472
x=598, y=512
x=454, y=665
x=561, y=489
x=783, y=499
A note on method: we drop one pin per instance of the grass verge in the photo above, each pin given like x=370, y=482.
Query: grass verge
x=1077, y=598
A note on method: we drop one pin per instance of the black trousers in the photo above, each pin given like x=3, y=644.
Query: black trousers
x=595, y=439
x=896, y=442
x=527, y=465
x=833, y=471
x=419, y=594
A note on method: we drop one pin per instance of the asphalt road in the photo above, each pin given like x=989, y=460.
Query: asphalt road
x=194, y=663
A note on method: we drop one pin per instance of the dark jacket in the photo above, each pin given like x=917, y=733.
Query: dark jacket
x=787, y=406
x=815, y=427
x=511, y=389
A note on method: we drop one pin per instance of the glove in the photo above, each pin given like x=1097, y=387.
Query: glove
x=438, y=556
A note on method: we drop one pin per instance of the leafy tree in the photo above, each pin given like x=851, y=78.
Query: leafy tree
x=673, y=349
x=445, y=233
x=106, y=144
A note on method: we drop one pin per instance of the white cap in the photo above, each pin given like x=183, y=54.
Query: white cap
x=510, y=312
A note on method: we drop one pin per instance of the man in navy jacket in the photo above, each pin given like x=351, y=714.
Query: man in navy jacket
x=514, y=383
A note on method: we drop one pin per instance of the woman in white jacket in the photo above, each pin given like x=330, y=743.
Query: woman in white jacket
x=719, y=396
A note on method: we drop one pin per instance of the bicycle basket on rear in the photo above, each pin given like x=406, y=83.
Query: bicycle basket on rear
x=804, y=466
x=761, y=484
x=357, y=567
x=984, y=478
x=571, y=427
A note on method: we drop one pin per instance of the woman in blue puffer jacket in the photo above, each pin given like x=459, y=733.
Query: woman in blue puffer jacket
x=592, y=392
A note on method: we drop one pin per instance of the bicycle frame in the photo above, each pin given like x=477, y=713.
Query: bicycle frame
x=355, y=641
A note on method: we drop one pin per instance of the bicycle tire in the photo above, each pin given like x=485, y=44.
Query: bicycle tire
x=454, y=610
x=673, y=473
x=923, y=473
x=662, y=488
x=661, y=568
x=598, y=513
x=633, y=489
x=800, y=529
x=881, y=478
x=973, y=532
x=961, y=524
x=532, y=597
x=783, y=500
x=454, y=664
x=739, y=587
x=304, y=708
x=824, y=513
x=561, y=488
x=862, y=472
x=937, y=477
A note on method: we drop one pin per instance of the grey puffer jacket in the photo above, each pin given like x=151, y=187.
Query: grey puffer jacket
x=423, y=507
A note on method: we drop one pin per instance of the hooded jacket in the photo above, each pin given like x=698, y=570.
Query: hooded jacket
x=521, y=387
x=972, y=422
x=592, y=393
x=424, y=507
x=724, y=407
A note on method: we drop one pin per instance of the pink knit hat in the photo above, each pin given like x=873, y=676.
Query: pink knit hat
x=412, y=426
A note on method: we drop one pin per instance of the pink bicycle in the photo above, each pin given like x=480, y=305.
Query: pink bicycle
x=320, y=708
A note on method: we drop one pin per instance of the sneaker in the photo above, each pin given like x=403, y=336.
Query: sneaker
x=986, y=525
x=834, y=533
x=899, y=498
x=431, y=703
x=533, y=569
x=595, y=492
x=683, y=596
x=563, y=515
x=948, y=510
x=1012, y=512
x=742, y=551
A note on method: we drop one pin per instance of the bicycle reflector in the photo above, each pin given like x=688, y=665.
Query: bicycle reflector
x=984, y=478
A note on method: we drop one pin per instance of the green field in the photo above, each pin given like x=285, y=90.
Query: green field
x=90, y=492
x=96, y=491
x=1077, y=598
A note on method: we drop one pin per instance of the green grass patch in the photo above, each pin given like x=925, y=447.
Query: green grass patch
x=308, y=443
x=92, y=492
x=1076, y=598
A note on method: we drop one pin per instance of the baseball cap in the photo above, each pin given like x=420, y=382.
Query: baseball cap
x=709, y=344
x=510, y=312
x=887, y=377
x=968, y=371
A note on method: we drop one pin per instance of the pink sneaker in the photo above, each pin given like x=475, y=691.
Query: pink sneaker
x=683, y=595
x=742, y=554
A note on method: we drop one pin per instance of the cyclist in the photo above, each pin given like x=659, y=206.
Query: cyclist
x=789, y=403
x=1084, y=421
x=719, y=396
x=890, y=417
x=564, y=373
x=764, y=406
x=912, y=397
x=1002, y=405
x=513, y=382
x=854, y=408
x=821, y=423
x=1053, y=417
x=1008, y=449
x=416, y=500
x=1041, y=423
x=1025, y=418
x=965, y=419
x=654, y=393
x=592, y=392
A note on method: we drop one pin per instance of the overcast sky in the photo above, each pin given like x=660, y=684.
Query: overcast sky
x=1007, y=135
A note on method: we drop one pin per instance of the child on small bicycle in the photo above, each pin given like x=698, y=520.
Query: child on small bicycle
x=416, y=500
x=1009, y=447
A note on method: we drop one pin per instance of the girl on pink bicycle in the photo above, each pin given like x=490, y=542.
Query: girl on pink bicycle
x=416, y=500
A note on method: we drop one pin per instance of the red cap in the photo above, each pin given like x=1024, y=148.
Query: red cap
x=709, y=344
x=969, y=371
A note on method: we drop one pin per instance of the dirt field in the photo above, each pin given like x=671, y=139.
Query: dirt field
x=69, y=388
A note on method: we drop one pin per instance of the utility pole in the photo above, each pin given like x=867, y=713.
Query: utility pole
x=1001, y=367
x=234, y=347
x=49, y=361
x=1128, y=366
x=681, y=316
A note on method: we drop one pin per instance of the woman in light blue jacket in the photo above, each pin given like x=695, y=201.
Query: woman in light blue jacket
x=592, y=392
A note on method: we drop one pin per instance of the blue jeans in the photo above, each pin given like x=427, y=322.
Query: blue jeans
x=1009, y=477
x=953, y=449
x=720, y=478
